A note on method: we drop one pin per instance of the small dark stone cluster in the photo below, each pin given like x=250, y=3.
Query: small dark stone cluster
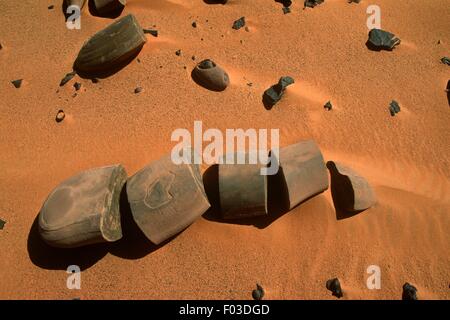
x=312, y=3
x=239, y=23
x=394, y=108
x=274, y=93
x=258, y=293
x=335, y=287
x=409, y=292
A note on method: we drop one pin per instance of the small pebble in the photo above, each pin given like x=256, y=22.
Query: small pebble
x=2, y=224
x=258, y=293
x=60, y=116
x=77, y=86
x=51, y=7
x=409, y=292
x=178, y=52
x=247, y=29
x=446, y=61
x=328, y=106
x=138, y=90
x=239, y=23
x=194, y=24
x=138, y=60
x=193, y=58
x=95, y=80
x=335, y=287
x=17, y=83
x=286, y=10
x=394, y=108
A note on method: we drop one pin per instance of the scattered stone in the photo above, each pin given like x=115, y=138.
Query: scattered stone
x=446, y=61
x=439, y=42
x=274, y=94
x=394, y=108
x=67, y=78
x=382, y=40
x=239, y=23
x=138, y=60
x=249, y=84
x=151, y=31
x=258, y=293
x=108, y=7
x=165, y=198
x=409, y=292
x=138, y=90
x=312, y=3
x=60, y=116
x=1, y=47
x=193, y=58
x=286, y=10
x=17, y=83
x=77, y=86
x=247, y=29
x=2, y=224
x=210, y=76
x=51, y=7
x=107, y=50
x=328, y=106
x=335, y=287
x=95, y=80
x=354, y=1
x=84, y=209
x=285, y=3
x=194, y=24
x=178, y=52
x=350, y=191
x=303, y=171
x=242, y=187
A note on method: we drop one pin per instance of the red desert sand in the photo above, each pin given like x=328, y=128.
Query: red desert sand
x=405, y=158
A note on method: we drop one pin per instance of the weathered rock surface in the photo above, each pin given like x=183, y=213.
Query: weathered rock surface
x=166, y=198
x=84, y=209
x=382, y=40
x=350, y=191
x=274, y=94
x=335, y=287
x=409, y=292
x=210, y=76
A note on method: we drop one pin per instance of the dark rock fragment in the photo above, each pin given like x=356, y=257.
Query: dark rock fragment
x=285, y=3
x=17, y=83
x=239, y=23
x=312, y=3
x=335, y=287
x=2, y=224
x=286, y=10
x=210, y=76
x=328, y=106
x=409, y=292
x=274, y=93
x=138, y=90
x=77, y=86
x=382, y=40
x=194, y=24
x=151, y=31
x=446, y=61
x=67, y=78
x=394, y=108
x=178, y=52
x=258, y=293
x=51, y=7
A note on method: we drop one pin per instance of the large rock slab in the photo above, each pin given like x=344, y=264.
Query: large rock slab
x=382, y=40
x=105, y=7
x=111, y=48
x=303, y=170
x=84, y=209
x=242, y=189
x=351, y=192
x=166, y=198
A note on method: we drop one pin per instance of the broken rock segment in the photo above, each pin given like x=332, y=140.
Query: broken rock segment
x=274, y=94
x=351, y=192
x=105, y=7
x=166, y=198
x=84, y=209
x=382, y=40
x=303, y=170
x=242, y=187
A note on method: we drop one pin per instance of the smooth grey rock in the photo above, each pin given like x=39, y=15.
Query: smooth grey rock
x=210, y=76
x=242, y=189
x=84, y=209
x=382, y=40
x=304, y=171
x=166, y=198
x=350, y=191
x=110, y=49
x=335, y=287
x=409, y=292
x=274, y=94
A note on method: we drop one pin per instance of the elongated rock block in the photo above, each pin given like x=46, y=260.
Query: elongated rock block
x=165, y=198
x=304, y=171
x=351, y=192
x=111, y=47
x=107, y=6
x=84, y=209
x=242, y=190
x=79, y=3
